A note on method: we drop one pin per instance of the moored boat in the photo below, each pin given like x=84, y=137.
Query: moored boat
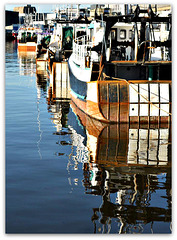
x=132, y=87
x=28, y=38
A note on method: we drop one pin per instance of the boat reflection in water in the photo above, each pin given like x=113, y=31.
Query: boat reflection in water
x=42, y=79
x=59, y=111
x=58, y=107
x=28, y=67
x=27, y=63
x=130, y=168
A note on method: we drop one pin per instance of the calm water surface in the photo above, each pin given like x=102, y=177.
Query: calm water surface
x=67, y=174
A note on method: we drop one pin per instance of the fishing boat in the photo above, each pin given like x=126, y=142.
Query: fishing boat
x=117, y=79
x=28, y=38
x=61, y=42
x=62, y=36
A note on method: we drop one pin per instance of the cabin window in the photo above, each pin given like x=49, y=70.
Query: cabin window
x=113, y=34
x=156, y=26
x=167, y=26
x=122, y=34
x=130, y=34
x=80, y=33
x=29, y=34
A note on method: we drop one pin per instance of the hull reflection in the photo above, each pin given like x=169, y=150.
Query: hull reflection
x=128, y=167
x=27, y=63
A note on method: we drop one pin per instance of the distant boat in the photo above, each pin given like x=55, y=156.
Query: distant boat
x=113, y=78
x=28, y=38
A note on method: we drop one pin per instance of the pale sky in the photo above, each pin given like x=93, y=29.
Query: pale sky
x=41, y=7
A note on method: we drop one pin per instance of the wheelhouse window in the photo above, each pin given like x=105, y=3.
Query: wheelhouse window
x=113, y=34
x=122, y=34
x=130, y=34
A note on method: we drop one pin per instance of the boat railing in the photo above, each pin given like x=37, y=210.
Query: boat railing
x=81, y=50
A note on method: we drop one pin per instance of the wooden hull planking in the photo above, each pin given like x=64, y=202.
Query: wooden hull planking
x=118, y=101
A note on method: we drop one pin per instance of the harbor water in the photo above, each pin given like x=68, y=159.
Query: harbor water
x=65, y=173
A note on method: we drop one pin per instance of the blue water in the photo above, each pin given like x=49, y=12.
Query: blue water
x=46, y=186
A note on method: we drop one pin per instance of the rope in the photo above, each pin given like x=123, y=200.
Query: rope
x=149, y=102
x=150, y=92
x=100, y=71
